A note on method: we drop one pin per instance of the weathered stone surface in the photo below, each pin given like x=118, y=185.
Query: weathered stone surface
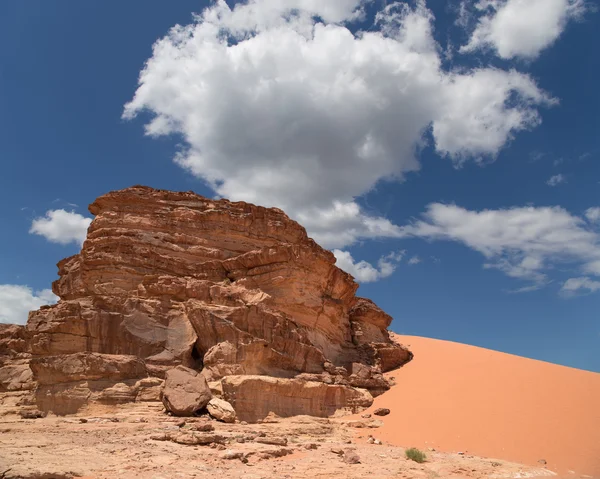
x=16, y=375
x=254, y=397
x=168, y=279
x=221, y=410
x=90, y=366
x=185, y=391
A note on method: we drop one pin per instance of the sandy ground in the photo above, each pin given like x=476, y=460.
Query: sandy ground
x=125, y=443
x=455, y=397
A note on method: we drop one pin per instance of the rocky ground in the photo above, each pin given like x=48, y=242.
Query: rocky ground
x=138, y=440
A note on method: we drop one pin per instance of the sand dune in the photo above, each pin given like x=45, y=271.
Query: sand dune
x=455, y=397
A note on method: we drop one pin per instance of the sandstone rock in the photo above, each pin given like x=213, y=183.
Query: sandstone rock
x=204, y=427
x=230, y=454
x=16, y=375
x=356, y=424
x=31, y=414
x=350, y=457
x=280, y=452
x=221, y=410
x=185, y=391
x=197, y=439
x=274, y=441
x=168, y=279
x=382, y=411
x=85, y=365
x=188, y=438
x=254, y=397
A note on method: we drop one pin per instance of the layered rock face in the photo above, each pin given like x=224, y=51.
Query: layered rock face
x=228, y=289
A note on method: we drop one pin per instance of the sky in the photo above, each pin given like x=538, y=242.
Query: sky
x=447, y=152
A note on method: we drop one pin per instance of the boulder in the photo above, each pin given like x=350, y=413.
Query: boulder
x=185, y=391
x=350, y=457
x=381, y=411
x=221, y=410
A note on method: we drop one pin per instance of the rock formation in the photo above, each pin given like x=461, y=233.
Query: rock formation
x=235, y=291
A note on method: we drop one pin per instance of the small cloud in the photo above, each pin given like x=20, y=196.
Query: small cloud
x=528, y=289
x=60, y=226
x=558, y=161
x=522, y=29
x=435, y=259
x=556, y=180
x=593, y=214
x=365, y=272
x=463, y=14
x=414, y=260
x=579, y=286
x=585, y=156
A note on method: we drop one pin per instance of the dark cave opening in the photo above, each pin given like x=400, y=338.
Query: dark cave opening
x=196, y=358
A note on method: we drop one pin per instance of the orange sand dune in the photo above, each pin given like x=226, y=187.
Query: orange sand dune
x=455, y=397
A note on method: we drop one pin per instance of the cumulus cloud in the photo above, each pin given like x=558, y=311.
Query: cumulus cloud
x=581, y=285
x=593, y=214
x=521, y=28
x=524, y=243
x=365, y=272
x=556, y=180
x=60, y=226
x=279, y=108
x=16, y=301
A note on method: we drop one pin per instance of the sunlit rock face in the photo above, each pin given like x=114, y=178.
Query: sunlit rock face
x=228, y=289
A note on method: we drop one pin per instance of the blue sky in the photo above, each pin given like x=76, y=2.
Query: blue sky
x=448, y=154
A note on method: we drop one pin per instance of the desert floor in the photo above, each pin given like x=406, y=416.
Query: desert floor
x=140, y=441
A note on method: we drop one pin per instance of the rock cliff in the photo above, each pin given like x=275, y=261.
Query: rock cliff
x=229, y=289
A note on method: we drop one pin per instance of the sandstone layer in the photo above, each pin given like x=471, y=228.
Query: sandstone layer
x=227, y=289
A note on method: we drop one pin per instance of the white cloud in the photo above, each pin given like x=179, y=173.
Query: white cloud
x=16, y=301
x=524, y=243
x=60, y=226
x=528, y=289
x=556, y=180
x=593, y=214
x=580, y=285
x=522, y=28
x=414, y=260
x=278, y=109
x=365, y=272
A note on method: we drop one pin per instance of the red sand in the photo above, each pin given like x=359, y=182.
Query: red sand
x=455, y=397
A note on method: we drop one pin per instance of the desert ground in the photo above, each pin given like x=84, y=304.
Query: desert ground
x=138, y=441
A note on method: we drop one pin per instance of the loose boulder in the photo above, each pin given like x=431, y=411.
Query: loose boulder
x=221, y=410
x=185, y=391
x=382, y=411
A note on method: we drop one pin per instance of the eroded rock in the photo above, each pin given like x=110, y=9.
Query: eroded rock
x=167, y=279
x=254, y=397
x=221, y=410
x=185, y=391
